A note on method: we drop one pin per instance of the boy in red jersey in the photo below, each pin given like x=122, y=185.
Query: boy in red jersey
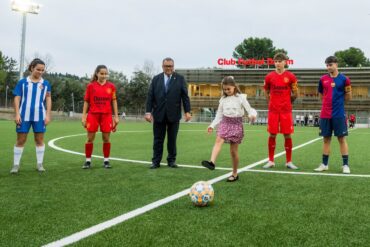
x=99, y=98
x=281, y=88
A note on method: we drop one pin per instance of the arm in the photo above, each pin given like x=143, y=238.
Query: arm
x=267, y=94
x=266, y=86
x=217, y=119
x=294, y=95
x=185, y=101
x=115, y=111
x=84, y=113
x=48, y=108
x=149, y=103
x=348, y=92
x=17, y=117
x=252, y=113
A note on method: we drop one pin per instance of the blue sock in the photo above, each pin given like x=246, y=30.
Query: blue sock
x=325, y=159
x=345, y=160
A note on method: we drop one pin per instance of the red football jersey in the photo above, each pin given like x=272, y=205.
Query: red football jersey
x=100, y=97
x=280, y=87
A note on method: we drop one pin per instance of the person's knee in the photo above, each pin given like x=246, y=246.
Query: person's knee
x=21, y=142
x=327, y=140
x=234, y=153
x=342, y=140
x=90, y=139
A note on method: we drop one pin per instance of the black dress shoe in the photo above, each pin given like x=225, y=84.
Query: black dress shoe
x=172, y=165
x=209, y=164
x=155, y=166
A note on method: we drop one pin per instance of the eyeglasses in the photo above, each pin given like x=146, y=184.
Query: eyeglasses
x=168, y=66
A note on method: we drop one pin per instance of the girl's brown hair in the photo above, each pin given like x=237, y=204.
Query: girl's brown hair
x=98, y=68
x=34, y=63
x=229, y=81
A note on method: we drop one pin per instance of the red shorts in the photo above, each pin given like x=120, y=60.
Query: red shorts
x=94, y=120
x=280, y=123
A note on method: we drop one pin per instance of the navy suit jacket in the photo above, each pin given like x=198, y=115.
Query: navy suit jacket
x=167, y=106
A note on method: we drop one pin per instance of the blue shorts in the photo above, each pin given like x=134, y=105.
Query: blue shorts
x=338, y=125
x=38, y=127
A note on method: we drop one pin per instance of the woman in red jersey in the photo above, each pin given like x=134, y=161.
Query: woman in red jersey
x=100, y=98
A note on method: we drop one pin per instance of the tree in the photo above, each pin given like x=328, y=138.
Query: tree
x=8, y=74
x=352, y=57
x=120, y=81
x=135, y=92
x=256, y=48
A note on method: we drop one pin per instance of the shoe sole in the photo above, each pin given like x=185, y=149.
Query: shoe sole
x=207, y=165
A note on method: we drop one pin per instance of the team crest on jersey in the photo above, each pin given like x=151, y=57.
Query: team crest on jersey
x=286, y=79
x=41, y=86
x=332, y=84
x=109, y=90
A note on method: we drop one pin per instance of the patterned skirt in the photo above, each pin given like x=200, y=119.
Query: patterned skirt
x=231, y=129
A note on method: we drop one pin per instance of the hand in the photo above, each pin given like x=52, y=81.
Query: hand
x=115, y=123
x=116, y=120
x=252, y=119
x=148, y=117
x=47, y=119
x=18, y=119
x=187, y=116
x=210, y=130
x=292, y=98
x=83, y=121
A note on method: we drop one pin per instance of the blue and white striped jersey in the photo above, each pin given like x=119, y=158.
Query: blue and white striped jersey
x=33, y=95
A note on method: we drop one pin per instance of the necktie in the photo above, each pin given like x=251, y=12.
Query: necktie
x=167, y=82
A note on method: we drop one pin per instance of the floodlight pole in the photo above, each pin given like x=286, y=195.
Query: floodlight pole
x=23, y=44
x=25, y=7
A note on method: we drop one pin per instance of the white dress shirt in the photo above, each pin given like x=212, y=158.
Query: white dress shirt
x=233, y=106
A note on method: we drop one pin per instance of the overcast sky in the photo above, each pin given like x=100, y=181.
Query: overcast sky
x=80, y=34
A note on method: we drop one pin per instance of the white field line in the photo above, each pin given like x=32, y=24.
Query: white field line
x=311, y=173
x=51, y=143
x=119, y=219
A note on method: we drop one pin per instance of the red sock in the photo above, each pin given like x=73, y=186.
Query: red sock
x=272, y=144
x=288, y=149
x=106, y=149
x=88, y=149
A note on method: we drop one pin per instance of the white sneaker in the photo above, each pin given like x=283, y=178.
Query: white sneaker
x=40, y=168
x=15, y=169
x=290, y=165
x=346, y=169
x=321, y=168
x=269, y=164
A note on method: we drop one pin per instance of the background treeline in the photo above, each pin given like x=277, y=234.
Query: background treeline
x=68, y=90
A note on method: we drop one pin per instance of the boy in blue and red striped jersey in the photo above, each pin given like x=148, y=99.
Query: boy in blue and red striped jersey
x=334, y=89
x=30, y=96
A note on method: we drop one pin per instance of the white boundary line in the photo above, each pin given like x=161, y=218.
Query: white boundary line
x=51, y=143
x=311, y=173
x=119, y=219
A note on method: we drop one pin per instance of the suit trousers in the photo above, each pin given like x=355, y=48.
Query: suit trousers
x=159, y=132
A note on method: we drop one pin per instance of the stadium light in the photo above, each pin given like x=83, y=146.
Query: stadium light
x=25, y=7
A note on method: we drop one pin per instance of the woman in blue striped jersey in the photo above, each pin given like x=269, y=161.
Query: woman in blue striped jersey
x=30, y=96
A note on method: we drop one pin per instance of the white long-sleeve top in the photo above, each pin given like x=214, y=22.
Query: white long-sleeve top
x=233, y=106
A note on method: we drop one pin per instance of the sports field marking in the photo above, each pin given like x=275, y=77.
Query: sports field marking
x=51, y=143
x=311, y=173
x=119, y=219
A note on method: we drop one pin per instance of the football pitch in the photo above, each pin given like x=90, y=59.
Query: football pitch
x=150, y=207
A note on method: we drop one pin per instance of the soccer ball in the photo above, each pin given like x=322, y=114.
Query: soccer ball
x=201, y=193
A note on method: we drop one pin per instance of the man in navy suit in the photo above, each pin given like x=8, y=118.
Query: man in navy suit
x=163, y=107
